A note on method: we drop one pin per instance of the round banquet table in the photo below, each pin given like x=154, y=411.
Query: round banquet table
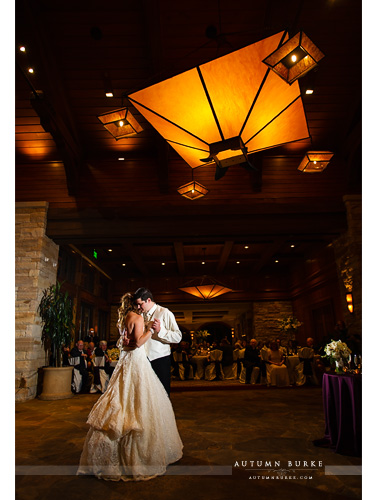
x=342, y=403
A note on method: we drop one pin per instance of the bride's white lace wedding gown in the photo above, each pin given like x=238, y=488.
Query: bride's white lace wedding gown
x=133, y=433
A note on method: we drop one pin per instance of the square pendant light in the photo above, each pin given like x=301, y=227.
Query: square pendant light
x=315, y=161
x=192, y=190
x=120, y=123
x=294, y=58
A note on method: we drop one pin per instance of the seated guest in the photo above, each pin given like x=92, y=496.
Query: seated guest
x=181, y=363
x=90, y=349
x=101, y=364
x=251, y=359
x=291, y=347
x=277, y=372
x=227, y=349
x=78, y=359
x=306, y=356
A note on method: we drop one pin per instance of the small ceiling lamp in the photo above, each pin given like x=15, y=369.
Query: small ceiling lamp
x=192, y=190
x=205, y=288
x=315, y=161
x=120, y=123
x=294, y=58
x=226, y=109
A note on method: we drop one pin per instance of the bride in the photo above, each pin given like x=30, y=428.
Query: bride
x=133, y=433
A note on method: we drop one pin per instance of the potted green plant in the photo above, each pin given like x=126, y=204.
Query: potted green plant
x=56, y=313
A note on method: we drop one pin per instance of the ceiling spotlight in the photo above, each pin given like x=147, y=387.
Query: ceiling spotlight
x=292, y=246
x=121, y=159
x=247, y=246
x=30, y=70
x=163, y=263
x=238, y=262
x=109, y=94
x=276, y=261
x=123, y=265
x=309, y=91
x=22, y=48
x=109, y=249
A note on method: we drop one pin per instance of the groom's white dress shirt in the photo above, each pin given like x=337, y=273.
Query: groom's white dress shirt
x=158, y=345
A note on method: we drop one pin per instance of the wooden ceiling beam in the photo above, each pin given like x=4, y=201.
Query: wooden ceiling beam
x=135, y=257
x=228, y=245
x=179, y=251
x=50, y=100
x=271, y=250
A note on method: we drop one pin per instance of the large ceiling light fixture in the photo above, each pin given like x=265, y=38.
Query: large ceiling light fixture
x=294, y=58
x=224, y=110
x=205, y=288
x=315, y=161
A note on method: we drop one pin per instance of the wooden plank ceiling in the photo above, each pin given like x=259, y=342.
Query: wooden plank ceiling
x=66, y=157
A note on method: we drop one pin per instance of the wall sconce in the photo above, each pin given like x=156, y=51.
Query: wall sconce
x=294, y=58
x=120, y=123
x=226, y=109
x=315, y=161
x=349, y=301
x=205, y=288
x=192, y=190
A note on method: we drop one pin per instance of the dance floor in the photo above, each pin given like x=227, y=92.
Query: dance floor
x=267, y=432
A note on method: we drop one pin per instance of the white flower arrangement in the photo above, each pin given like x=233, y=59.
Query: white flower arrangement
x=289, y=323
x=337, y=350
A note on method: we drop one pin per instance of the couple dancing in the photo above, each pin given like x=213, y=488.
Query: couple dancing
x=133, y=433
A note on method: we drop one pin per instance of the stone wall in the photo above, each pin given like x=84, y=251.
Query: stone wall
x=36, y=268
x=113, y=330
x=266, y=318
x=348, y=252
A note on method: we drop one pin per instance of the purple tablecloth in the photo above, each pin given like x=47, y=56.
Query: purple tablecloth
x=342, y=402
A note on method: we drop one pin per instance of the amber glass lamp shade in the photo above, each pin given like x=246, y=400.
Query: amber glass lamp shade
x=294, y=58
x=349, y=301
x=315, y=161
x=205, y=288
x=192, y=190
x=224, y=110
x=120, y=123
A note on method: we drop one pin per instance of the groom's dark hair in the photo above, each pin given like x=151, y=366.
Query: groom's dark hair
x=143, y=294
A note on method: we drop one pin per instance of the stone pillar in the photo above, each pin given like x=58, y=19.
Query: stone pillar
x=36, y=269
x=348, y=253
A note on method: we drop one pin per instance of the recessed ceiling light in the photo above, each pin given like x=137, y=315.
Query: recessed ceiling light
x=238, y=262
x=109, y=249
x=124, y=265
x=247, y=246
x=276, y=261
x=121, y=159
x=109, y=94
x=163, y=263
x=309, y=91
x=30, y=70
x=292, y=246
x=22, y=48
x=203, y=262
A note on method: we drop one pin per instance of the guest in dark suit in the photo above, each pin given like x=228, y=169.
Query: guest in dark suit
x=79, y=352
x=251, y=359
x=227, y=349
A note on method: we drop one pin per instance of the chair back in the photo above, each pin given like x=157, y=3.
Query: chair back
x=216, y=355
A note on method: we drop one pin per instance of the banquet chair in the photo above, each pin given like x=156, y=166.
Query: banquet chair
x=77, y=377
x=254, y=375
x=183, y=370
x=99, y=364
x=230, y=371
x=306, y=357
x=214, y=369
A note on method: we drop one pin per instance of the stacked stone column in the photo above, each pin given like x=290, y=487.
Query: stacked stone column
x=36, y=269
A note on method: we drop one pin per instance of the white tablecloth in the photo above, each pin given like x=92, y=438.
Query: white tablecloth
x=199, y=361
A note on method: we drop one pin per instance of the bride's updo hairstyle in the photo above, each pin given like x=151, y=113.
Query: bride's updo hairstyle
x=126, y=306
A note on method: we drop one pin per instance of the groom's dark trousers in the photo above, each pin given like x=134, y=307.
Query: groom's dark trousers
x=162, y=368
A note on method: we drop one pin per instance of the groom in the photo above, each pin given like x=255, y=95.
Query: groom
x=166, y=332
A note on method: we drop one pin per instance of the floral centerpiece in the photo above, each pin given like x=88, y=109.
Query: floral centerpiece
x=113, y=354
x=201, y=335
x=289, y=324
x=338, y=352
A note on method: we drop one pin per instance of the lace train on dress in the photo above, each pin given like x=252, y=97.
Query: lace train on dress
x=133, y=433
